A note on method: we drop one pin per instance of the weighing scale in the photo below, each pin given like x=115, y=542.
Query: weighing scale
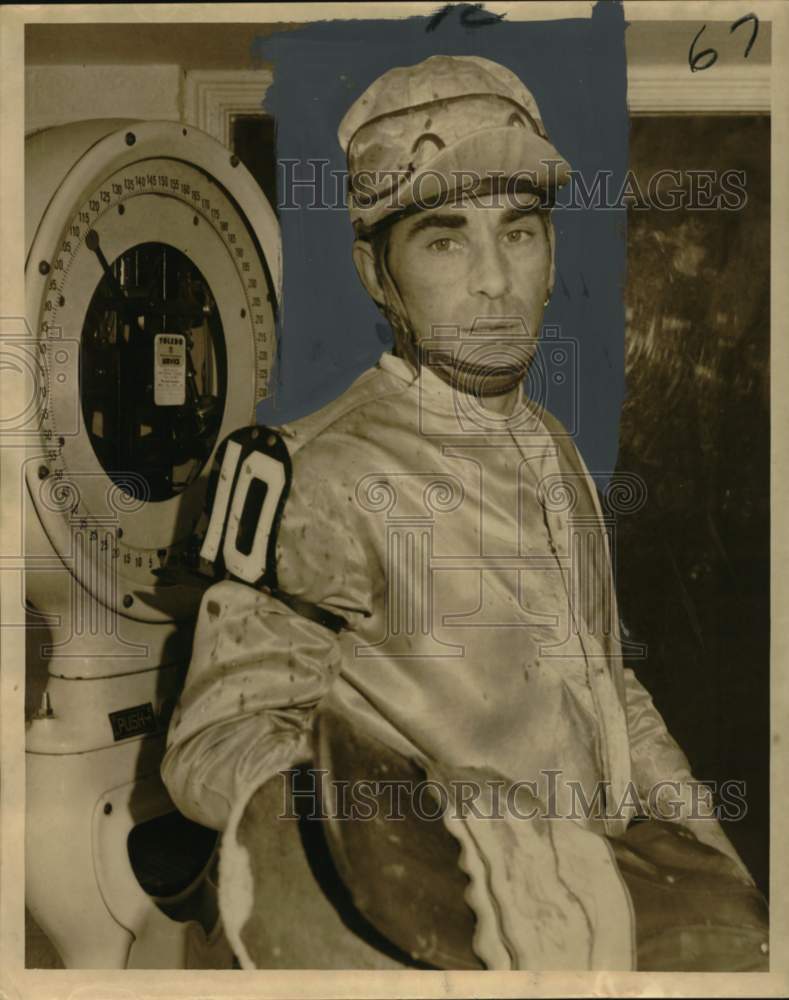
x=152, y=273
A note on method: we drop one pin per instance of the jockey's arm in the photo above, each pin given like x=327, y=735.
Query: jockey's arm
x=263, y=659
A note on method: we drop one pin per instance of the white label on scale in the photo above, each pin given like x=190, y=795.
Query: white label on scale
x=169, y=374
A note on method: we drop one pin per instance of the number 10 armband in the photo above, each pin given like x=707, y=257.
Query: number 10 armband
x=246, y=499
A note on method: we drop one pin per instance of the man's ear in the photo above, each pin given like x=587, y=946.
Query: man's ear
x=364, y=260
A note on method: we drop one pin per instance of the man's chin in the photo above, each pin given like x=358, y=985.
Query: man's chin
x=482, y=380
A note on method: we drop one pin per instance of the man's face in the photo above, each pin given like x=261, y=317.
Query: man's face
x=481, y=267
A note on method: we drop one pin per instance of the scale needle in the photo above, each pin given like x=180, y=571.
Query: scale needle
x=92, y=243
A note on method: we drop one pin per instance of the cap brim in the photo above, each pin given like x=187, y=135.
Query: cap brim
x=515, y=156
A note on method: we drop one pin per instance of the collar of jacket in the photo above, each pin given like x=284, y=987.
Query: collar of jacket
x=437, y=397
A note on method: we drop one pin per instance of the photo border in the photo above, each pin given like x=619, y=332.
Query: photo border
x=18, y=982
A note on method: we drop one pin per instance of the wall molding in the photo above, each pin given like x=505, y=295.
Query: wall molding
x=213, y=97
x=673, y=88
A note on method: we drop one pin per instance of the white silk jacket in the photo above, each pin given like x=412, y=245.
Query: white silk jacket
x=467, y=553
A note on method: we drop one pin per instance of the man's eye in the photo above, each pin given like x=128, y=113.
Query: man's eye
x=517, y=236
x=445, y=244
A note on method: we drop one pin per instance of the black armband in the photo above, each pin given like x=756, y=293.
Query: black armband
x=246, y=497
x=247, y=491
x=314, y=612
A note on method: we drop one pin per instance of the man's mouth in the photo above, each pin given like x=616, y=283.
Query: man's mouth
x=497, y=324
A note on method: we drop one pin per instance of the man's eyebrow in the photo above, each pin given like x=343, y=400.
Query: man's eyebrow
x=445, y=220
x=515, y=214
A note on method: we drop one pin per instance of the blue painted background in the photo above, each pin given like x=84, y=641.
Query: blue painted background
x=330, y=331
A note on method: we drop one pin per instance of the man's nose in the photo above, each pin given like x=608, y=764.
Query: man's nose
x=489, y=274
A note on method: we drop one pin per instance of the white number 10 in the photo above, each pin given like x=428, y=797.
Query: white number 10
x=229, y=508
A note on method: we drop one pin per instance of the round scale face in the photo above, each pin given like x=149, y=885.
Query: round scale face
x=153, y=370
x=157, y=334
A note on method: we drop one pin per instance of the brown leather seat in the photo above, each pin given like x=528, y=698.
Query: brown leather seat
x=302, y=916
x=336, y=893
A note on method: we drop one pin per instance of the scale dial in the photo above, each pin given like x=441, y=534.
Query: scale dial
x=152, y=284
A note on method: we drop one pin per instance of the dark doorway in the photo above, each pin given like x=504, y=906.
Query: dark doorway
x=693, y=564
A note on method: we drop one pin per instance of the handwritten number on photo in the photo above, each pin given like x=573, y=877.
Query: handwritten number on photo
x=744, y=20
x=695, y=58
x=470, y=17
